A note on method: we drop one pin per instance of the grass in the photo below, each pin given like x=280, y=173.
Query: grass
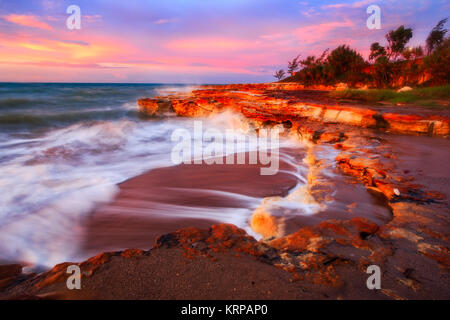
x=430, y=97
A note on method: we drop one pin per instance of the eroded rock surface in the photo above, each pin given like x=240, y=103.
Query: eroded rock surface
x=282, y=102
x=325, y=261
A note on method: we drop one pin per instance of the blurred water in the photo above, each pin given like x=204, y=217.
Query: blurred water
x=63, y=149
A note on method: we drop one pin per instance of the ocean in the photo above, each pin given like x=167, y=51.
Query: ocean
x=63, y=150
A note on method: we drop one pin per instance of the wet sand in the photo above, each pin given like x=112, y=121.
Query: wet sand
x=167, y=199
x=350, y=200
x=425, y=160
x=411, y=250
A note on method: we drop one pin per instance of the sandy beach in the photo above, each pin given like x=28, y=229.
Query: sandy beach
x=351, y=194
x=167, y=199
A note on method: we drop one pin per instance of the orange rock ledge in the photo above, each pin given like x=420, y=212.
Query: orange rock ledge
x=325, y=261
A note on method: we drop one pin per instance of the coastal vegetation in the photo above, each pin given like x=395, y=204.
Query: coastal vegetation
x=438, y=96
x=389, y=65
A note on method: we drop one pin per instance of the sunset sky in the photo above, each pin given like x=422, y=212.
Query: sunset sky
x=181, y=41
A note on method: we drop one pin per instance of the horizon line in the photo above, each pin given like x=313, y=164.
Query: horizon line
x=171, y=83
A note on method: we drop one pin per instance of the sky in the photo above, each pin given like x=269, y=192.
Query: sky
x=190, y=41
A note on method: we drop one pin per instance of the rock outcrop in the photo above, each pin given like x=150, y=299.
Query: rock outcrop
x=325, y=261
x=155, y=107
x=275, y=102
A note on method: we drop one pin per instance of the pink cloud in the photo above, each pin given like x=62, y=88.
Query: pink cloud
x=92, y=18
x=209, y=44
x=273, y=36
x=314, y=33
x=24, y=48
x=163, y=21
x=357, y=4
x=28, y=21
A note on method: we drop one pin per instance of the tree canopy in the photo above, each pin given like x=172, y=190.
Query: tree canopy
x=436, y=36
x=397, y=40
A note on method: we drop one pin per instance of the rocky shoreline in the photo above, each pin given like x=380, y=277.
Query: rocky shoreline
x=325, y=261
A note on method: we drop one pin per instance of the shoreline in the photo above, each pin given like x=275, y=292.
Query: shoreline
x=329, y=257
x=171, y=198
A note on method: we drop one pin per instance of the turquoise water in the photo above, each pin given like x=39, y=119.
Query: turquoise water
x=25, y=107
x=63, y=149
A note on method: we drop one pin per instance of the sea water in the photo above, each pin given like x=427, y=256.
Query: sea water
x=63, y=150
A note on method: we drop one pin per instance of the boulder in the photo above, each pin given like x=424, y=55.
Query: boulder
x=404, y=89
x=155, y=106
x=341, y=87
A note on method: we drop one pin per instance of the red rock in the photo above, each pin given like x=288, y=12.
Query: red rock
x=10, y=270
x=321, y=254
x=155, y=107
x=255, y=101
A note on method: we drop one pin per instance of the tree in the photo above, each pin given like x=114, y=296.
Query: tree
x=279, y=74
x=397, y=40
x=293, y=65
x=376, y=51
x=346, y=64
x=437, y=63
x=417, y=52
x=383, y=71
x=308, y=62
x=323, y=56
x=413, y=53
x=436, y=36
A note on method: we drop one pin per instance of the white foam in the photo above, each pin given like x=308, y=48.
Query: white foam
x=175, y=90
x=50, y=182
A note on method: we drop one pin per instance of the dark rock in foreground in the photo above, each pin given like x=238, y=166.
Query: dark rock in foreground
x=325, y=261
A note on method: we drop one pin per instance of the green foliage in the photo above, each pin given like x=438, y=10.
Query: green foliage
x=372, y=95
x=342, y=64
x=377, y=51
x=397, y=40
x=383, y=72
x=293, y=65
x=413, y=53
x=393, y=65
x=279, y=74
x=346, y=64
x=422, y=96
x=436, y=36
x=316, y=70
x=438, y=63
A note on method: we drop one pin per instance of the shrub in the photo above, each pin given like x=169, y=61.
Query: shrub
x=346, y=64
x=437, y=64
